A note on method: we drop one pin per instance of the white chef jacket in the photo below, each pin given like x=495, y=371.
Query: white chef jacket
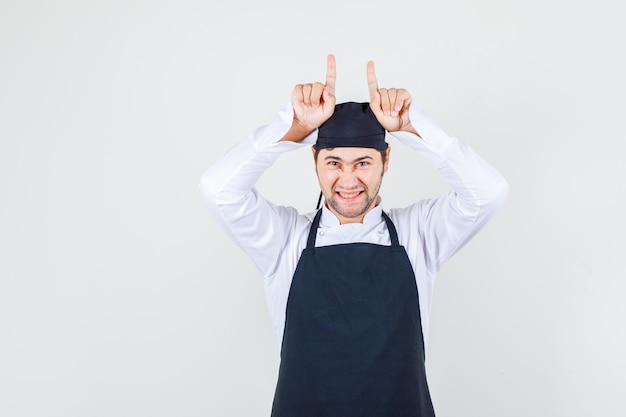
x=274, y=236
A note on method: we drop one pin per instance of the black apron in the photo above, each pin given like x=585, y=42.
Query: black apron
x=353, y=345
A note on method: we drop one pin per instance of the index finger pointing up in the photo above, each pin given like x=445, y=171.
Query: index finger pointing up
x=331, y=74
x=372, y=83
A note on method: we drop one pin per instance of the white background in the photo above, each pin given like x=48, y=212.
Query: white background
x=119, y=296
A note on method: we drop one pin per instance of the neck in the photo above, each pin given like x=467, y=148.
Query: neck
x=357, y=219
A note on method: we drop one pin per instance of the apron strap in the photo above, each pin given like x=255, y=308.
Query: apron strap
x=310, y=244
x=393, y=234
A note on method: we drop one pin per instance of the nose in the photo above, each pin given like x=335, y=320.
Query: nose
x=348, y=180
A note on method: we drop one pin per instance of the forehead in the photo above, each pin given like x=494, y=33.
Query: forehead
x=348, y=154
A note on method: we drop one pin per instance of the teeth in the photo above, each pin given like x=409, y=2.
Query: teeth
x=348, y=195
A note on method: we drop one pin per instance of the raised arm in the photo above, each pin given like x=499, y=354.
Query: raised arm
x=447, y=223
x=228, y=187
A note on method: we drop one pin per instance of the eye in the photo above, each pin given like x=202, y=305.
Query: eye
x=333, y=163
x=361, y=164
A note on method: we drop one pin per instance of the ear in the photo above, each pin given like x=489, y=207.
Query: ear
x=386, y=163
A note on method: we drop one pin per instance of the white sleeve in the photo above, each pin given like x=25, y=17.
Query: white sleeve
x=446, y=224
x=259, y=227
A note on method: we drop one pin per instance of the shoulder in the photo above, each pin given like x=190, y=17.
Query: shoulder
x=407, y=215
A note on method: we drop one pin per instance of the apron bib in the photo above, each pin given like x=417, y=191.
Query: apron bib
x=353, y=344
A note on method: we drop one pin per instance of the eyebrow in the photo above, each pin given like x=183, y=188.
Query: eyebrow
x=336, y=158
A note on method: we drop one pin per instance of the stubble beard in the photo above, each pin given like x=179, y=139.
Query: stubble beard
x=352, y=213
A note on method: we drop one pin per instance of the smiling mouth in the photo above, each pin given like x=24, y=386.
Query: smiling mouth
x=349, y=196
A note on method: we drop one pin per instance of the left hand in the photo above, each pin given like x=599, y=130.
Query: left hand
x=389, y=105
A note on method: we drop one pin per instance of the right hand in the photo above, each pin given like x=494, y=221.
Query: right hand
x=313, y=104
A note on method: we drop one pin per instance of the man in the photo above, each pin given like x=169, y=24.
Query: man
x=349, y=287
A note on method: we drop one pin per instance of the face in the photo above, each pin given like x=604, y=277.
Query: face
x=350, y=179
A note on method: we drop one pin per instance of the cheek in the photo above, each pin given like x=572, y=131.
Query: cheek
x=368, y=178
x=331, y=179
x=326, y=177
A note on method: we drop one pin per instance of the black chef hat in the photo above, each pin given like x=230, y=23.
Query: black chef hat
x=352, y=125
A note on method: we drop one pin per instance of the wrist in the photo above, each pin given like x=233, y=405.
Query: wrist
x=409, y=128
x=296, y=133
